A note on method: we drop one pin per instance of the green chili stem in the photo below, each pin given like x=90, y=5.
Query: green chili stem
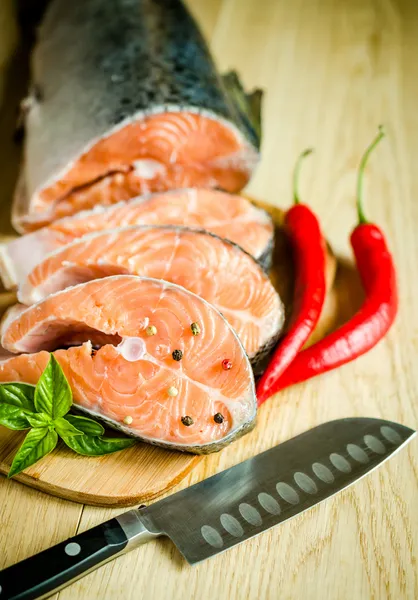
x=360, y=178
x=296, y=198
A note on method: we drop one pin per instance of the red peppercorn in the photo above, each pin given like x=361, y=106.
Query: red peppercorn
x=226, y=364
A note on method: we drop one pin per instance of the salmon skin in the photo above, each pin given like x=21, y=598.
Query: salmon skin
x=229, y=216
x=125, y=100
x=214, y=269
x=132, y=381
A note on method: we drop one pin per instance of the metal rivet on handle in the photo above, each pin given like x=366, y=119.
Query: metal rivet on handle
x=305, y=483
x=374, y=444
x=357, y=453
x=286, y=492
x=211, y=536
x=72, y=549
x=231, y=525
x=340, y=463
x=269, y=504
x=250, y=514
x=323, y=473
x=390, y=434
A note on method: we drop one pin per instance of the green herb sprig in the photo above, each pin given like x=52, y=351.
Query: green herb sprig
x=43, y=409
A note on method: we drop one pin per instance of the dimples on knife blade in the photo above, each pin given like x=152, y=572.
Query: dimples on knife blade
x=274, y=486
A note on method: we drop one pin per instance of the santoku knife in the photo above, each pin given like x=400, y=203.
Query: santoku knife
x=224, y=510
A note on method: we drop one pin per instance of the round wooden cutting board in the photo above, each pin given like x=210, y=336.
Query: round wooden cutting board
x=142, y=472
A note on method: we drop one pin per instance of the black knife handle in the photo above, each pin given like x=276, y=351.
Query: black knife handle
x=46, y=572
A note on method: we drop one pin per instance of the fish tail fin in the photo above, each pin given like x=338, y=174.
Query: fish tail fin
x=249, y=105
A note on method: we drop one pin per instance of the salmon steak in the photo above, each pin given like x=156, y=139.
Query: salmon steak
x=229, y=216
x=125, y=100
x=215, y=269
x=145, y=356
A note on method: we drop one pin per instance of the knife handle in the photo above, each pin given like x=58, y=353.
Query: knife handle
x=45, y=573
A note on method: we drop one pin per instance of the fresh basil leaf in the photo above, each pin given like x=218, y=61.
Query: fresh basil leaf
x=39, y=419
x=65, y=428
x=97, y=446
x=18, y=394
x=14, y=417
x=39, y=442
x=86, y=425
x=53, y=394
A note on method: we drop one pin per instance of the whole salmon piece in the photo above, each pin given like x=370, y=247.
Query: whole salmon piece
x=227, y=215
x=126, y=99
x=215, y=269
x=156, y=369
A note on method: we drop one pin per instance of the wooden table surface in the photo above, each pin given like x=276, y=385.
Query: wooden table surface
x=332, y=70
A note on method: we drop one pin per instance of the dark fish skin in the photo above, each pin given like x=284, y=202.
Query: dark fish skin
x=266, y=259
x=166, y=59
x=260, y=361
x=103, y=64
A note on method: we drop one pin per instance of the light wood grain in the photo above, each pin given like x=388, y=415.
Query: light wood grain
x=134, y=476
x=333, y=69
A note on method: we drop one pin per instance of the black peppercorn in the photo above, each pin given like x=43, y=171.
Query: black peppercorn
x=187, y=421
x=218, y=418
x=177, y=355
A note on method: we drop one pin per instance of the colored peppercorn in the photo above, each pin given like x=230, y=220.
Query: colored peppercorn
x=195, y=328
x=226, y=364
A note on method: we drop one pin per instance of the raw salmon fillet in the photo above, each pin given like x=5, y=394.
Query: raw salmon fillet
x=215, y=269
x=229, y=216
x=133, y=375
x=125, y=100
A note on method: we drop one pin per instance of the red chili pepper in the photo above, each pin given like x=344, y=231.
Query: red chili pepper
x=309, y=251
x=368, y=326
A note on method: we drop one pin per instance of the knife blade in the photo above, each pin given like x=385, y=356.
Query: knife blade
x=225, y=509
